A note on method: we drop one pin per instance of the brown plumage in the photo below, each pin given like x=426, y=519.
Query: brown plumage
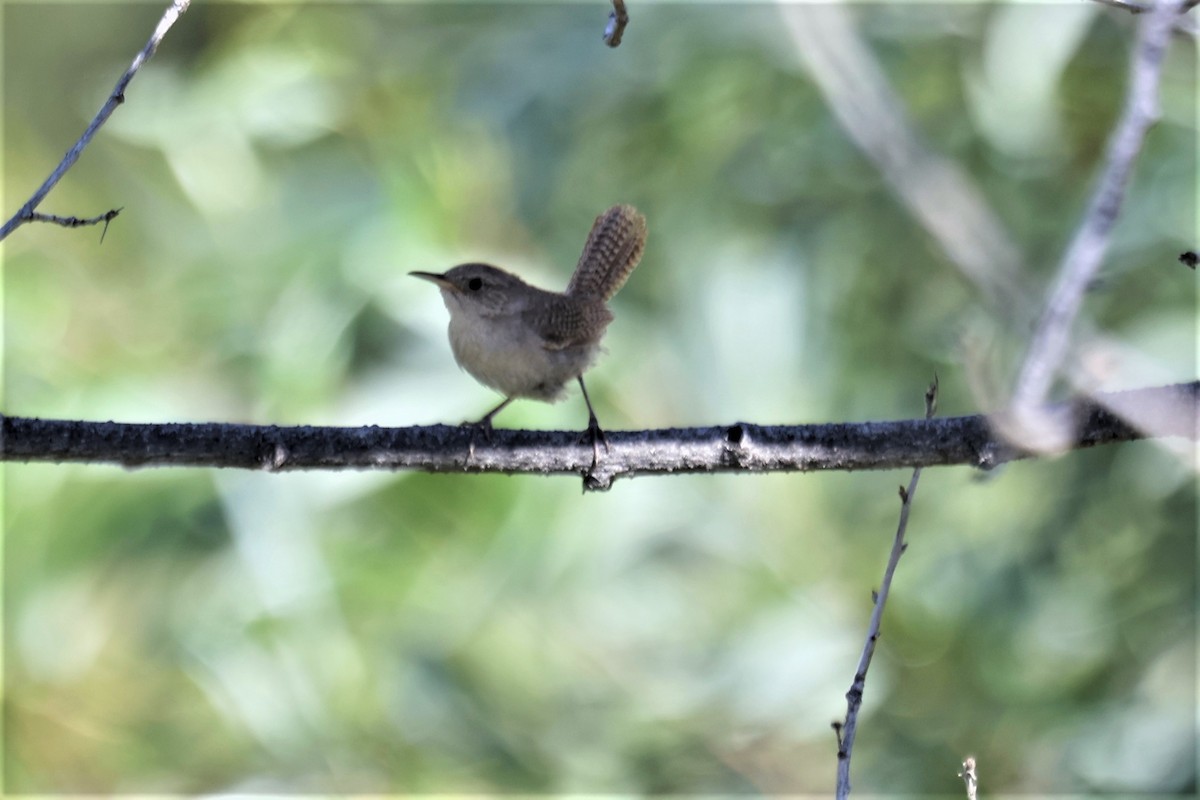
x=613, y=249
x=527, y=342
x=568, y=321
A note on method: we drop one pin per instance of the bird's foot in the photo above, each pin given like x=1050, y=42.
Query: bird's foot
x=595, y=435
x=482, y=428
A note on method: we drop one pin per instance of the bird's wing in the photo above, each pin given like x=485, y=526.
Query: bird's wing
x=570, y=321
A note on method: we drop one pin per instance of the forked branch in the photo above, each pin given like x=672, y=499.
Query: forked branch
x=28, y=212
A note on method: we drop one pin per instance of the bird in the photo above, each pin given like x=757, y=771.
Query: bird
x=527, y=342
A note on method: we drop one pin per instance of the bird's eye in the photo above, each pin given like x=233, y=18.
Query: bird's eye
x=475, y=284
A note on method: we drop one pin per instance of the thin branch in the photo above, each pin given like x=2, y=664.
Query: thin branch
x=27, y=212
x=970, y=777
x=740, y=447
x=1051, y=339
x=618, y=18
x=848, y=729
x=936, y=190
x=76, y=222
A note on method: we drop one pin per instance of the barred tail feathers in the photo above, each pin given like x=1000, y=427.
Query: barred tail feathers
x=614, y=247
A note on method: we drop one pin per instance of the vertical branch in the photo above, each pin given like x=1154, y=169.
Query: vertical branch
x=618, y=18
x=26, y=214
x=970, y=777
x=847, y=729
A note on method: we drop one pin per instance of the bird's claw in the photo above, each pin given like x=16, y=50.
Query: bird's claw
x=596, y=436
x=481, y=428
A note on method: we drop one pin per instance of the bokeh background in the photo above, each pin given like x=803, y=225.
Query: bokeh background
x=282, y=166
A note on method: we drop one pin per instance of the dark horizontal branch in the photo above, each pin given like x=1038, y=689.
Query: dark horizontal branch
x=740, y=447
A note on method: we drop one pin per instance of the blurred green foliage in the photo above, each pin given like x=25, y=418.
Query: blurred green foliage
x=282, y=166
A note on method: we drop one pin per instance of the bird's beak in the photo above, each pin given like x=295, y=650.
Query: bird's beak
x=434, y=277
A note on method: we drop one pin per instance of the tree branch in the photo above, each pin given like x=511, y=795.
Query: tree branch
x=76, y=222
x=618, y=18
x=970, y=776
x=26, y=214
x=847, y=730
x=937, y=191
x=1049, y=346
x=739, y=447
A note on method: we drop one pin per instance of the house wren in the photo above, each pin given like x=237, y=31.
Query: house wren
x=524, y=341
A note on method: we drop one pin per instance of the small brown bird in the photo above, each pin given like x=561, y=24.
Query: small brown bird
x=524, y=341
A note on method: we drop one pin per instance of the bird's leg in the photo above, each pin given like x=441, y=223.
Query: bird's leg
x=486, y=423
x=483, y=426
x=593, y=429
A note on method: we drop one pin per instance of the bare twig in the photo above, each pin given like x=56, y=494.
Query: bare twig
x=970, y=777
x=849, y=727
x=618, y=18
x=740, y=447
x=76, y=222
x=27, y=212
x=1049, y=346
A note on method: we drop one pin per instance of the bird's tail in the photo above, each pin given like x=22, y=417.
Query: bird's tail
x=613, y=249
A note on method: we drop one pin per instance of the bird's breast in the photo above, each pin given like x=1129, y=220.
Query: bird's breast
x=506, y=354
